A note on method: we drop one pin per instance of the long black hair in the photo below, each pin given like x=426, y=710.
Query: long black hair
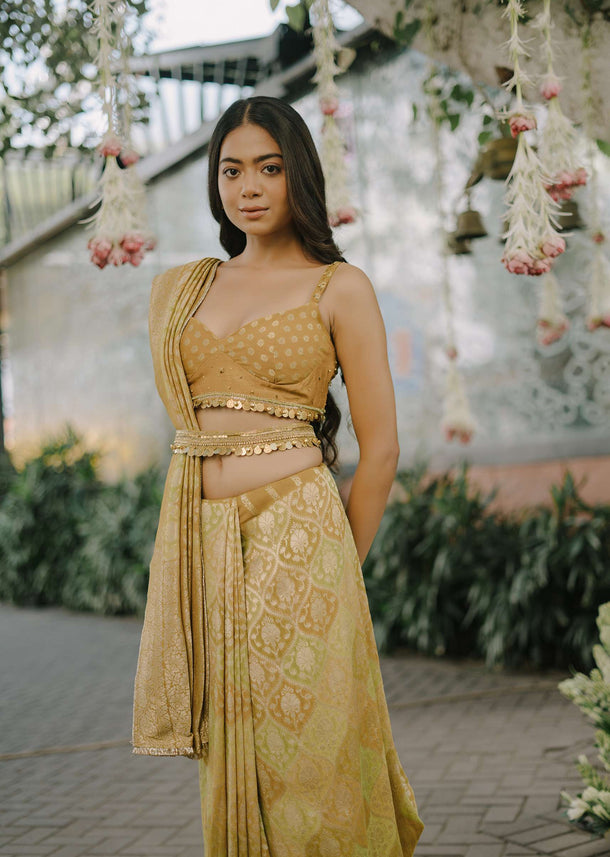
x=306, y=197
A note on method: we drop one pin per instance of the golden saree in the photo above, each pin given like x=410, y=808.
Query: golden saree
x=301, y=758
x=257, y=654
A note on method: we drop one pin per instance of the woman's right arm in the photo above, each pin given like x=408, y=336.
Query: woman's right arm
x=360, y=341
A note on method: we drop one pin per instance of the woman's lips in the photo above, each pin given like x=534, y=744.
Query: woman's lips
x=253, y=213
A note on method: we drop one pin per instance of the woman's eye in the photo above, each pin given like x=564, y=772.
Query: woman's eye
x=231, y=172
x=272, y=169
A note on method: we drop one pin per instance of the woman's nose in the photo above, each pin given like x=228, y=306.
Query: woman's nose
x=250, y=184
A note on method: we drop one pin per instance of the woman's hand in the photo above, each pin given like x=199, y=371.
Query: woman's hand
x=360, y=341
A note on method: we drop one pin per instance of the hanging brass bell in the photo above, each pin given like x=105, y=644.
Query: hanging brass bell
x=457, y=246
x=470, y=225
x=568, y=217
x=498, y=156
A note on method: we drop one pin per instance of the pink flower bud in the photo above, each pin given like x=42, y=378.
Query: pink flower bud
x=580, y=176
x=100, y=261
x=116, y=256
x=598, y=237
x=135, y=258
x=451, y=352
x=110, y=146
x=100, y=246
x=551, y=87
x=552, y=246
x=521, y=122
x=606, y=320
x=129, y=157
x=540, y=266
x=345, y=214
x=151, y=242
x=132, y=242
x=329, y=105
x=519, y=263
x=465, y=436
x=593, y=323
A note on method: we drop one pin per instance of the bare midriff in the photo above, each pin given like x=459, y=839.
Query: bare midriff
x=230, y=475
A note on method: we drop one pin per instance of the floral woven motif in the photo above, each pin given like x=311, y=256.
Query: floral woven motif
x=300, y=759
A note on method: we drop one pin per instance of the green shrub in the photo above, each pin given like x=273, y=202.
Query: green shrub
x=68, y=538
x=542, y=609
x=40, y=516
x=117, y=542
x=448, y=575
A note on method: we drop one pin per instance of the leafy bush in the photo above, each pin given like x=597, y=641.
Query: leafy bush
x=39, y=521
x=68, y=538
x=117, y=542
x=448, y=575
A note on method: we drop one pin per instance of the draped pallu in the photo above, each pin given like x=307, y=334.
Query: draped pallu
x=265, y=667
x=172, y=677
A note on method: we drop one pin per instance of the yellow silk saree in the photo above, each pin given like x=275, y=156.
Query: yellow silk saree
x=258, y=656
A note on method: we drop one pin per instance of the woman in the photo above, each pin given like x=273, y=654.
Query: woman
x=257, y=654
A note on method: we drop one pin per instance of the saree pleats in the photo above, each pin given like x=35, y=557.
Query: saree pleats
x=301, y=760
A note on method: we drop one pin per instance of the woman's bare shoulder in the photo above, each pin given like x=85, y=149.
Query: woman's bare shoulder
x=350, y=286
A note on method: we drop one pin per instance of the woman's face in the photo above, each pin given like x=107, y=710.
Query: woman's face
x=252, y=182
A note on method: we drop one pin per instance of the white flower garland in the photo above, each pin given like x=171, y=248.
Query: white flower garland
x=326, y=49
x=558, y=144
x=120, y=226
x=457, y=421
x=552, y=322
x=598, y=310
x=532, y=242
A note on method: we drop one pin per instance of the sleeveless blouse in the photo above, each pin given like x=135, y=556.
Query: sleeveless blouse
x=281, y=363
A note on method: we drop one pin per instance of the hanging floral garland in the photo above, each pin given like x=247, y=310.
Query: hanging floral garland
x=598, y=310
x=552, y=322
x=558, y=144
x=532, y=242
x=120, y=226
x=457, y=421
x=557, y=149
x=326, y=50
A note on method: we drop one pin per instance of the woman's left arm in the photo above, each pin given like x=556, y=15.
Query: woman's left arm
x=360, y=341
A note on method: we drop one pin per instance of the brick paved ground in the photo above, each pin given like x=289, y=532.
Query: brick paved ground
x=487, y=753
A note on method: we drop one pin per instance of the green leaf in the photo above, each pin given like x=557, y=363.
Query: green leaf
x=296, y=17
x=604, y=146
x=484, y=137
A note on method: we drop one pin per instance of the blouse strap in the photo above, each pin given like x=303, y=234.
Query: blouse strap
x=319, y=290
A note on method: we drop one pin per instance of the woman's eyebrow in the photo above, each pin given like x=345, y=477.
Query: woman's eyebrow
x=256, y=160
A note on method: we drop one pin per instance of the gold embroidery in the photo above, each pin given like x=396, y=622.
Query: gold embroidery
x=205, y=444
x=255, y=403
